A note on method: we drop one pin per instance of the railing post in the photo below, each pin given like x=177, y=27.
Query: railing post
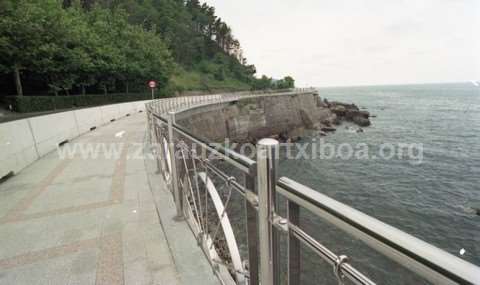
x=252, y=233
x=157, y=151
x=293, y=245
x=171, y=146
x=267, y=162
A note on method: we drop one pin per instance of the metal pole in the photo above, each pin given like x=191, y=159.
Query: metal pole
x=293, y=245
x=267, y=161
x=171, y=147
x=152, y=93
x=157, y=150
x=252, y=233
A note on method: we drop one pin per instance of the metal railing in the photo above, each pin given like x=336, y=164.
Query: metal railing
x=205, y=177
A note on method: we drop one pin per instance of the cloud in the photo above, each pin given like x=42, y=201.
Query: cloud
x=352, y=42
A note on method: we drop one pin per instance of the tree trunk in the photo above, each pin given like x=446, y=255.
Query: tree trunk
x=67, y=92
x=83, y=89
x=18, y=80
x=105, y=90
x=126, y=87
x=55, y=91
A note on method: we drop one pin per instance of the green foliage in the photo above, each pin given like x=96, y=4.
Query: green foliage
x=31, y=103
x=73, y=47
x=108, y=46
x=268, y=83
x=285, y=83
x=25, y=104
x=197, y=81
x=263, y=83
x=220, y=74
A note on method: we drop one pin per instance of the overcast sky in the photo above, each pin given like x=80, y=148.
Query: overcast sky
x=358, y=42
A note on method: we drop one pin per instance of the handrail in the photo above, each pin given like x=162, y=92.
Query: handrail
x=436, y=265
x=240, y=161
x=428, y=261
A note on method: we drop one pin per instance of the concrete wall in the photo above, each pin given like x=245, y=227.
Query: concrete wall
x=24, y=141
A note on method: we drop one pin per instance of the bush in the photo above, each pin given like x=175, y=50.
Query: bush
x=95, y=100
x=64, y=102
x=220, y=74
x=26, y=104
x=31, y=103
x=120, y=98
x=81, y=101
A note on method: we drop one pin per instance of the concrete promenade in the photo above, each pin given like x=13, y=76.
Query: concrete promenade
x=94, y=220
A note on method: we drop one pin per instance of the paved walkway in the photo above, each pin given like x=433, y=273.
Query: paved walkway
x=87, y=220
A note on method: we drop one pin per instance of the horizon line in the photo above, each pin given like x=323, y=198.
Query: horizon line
x=396, y=84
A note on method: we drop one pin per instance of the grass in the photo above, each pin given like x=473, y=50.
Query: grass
x=195, y=80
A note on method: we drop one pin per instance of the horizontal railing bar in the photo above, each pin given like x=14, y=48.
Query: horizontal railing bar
x=160, y=118
x=242, y=162
x=239, y=188
x=227, y=98
x=327, y=255
x=425, y=259
x=246, y=193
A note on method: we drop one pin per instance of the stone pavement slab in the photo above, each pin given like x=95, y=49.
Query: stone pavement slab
x=90, y=218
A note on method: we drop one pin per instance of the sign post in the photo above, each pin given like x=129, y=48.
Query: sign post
x=152, y=84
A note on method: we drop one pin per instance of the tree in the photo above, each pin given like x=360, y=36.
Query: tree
x=28, y=34
x=285, y=83
x=263, y=83
x=111, y=45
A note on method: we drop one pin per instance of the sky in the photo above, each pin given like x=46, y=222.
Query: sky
x=358, y=42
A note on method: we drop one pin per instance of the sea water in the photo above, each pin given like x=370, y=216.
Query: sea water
x=431, y=197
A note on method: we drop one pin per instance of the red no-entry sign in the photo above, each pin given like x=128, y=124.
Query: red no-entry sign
x=152, y=84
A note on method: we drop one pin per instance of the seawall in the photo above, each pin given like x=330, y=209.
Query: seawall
x=284, y=117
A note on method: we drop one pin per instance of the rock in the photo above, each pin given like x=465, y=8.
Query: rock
x=327, y=123
x=293, y=139
x=283, y=137
x=336, y=120
x=350, y=114
x=359, y=130
x=307, y=121
x=322, y=133
x=339, y=110
x=321, y=103
x=364, y=114
x=476, y=208
x=328, y=129
x=361, y=121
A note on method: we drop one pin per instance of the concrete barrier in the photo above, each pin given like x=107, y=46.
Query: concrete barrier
x=88, y=119
x=17, y=146
x=24, y=141
x=109, y=113
x=50, y=130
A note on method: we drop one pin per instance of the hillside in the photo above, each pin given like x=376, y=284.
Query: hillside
x=116, y=46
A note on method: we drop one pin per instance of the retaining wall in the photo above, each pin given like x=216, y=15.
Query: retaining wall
x=249, y=119
x=24, y=141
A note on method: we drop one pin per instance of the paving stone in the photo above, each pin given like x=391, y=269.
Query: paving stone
x=95, y=221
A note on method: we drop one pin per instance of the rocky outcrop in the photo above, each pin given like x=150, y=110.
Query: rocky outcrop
x=286, y=118
x=350, y=112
